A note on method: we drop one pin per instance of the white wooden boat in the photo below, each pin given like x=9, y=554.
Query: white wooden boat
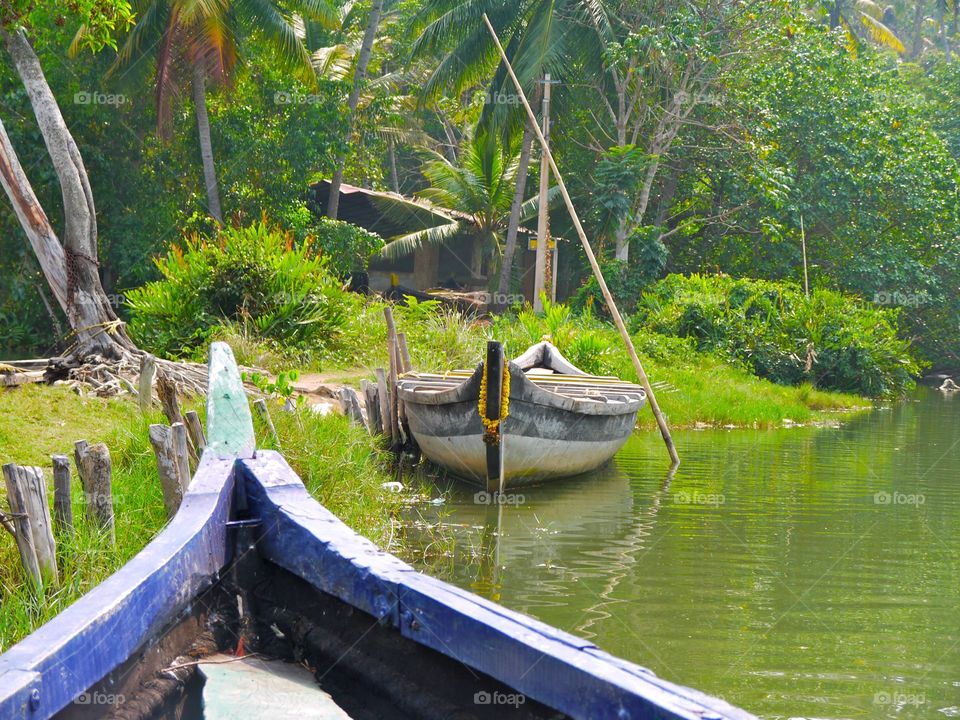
x=559, y=420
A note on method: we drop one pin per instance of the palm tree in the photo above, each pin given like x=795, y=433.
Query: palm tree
x=539, y=36
x=480, y=189
x=195, y=40
x=862, y=18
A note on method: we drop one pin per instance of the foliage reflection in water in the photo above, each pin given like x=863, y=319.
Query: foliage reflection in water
x=804, y=572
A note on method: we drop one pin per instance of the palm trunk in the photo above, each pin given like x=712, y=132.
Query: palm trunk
x=363, y=60
x=835, y=14
x=917, y=30
x=206, y=145
x=513, y=227
x=72, y=269
x=394, y=180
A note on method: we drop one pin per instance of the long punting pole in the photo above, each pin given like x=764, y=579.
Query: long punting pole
x=611, y=305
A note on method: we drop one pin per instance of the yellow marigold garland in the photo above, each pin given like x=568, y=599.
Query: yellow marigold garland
x=492, y=434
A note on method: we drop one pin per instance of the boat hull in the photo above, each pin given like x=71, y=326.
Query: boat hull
x=543, y=437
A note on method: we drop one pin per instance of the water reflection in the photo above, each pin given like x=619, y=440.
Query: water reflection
x=797, y=573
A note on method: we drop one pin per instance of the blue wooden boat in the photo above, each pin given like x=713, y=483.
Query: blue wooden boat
x=250, y=554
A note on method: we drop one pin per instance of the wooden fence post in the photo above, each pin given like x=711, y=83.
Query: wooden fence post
x=195, y=429
x=62, y=505
x=27, y=495
x=260, y=405
x=168, y=467
x=386, y=415
x=148, y=368
x=95, y=470
x=167, y=390
x=372, y=401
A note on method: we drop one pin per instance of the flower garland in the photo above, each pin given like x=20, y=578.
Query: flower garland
x=492, y=434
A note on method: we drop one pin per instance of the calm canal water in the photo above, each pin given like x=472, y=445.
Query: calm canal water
x=797, y=573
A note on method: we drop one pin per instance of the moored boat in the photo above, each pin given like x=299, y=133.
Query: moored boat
x=509, y=424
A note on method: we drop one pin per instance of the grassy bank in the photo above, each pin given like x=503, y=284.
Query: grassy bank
x=338, y=462
x=696, y=388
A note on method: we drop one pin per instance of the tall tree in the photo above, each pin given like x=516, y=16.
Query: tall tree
x=539, y=36
x=359, y=75
x=70, y=268
x=192, y=41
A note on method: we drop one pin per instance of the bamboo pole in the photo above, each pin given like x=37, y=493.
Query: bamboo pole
x=588, y=250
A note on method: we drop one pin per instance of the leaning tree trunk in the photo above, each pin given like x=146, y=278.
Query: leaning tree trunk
x=917, y=30
x=70, y=269
x=363, y=60
x=510, y=245
x=206, y=146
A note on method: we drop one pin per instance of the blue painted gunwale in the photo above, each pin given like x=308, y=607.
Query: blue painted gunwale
x=48, y=669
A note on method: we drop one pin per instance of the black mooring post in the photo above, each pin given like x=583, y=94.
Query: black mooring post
x=494, y=371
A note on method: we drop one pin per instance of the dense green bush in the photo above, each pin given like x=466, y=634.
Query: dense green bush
x=346, y=247
x=830, y=340
x=254, y=276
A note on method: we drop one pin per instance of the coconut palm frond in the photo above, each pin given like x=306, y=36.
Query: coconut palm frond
x=334, y=62
x=530, y=208
x=881, y=34
x=411, y=242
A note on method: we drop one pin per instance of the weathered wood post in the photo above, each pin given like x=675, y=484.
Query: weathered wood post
x=493, y=370
x=27, y=495
x=182, y=449
x=404, y=352
x=95, y=470
x=168, y=467
x=62, y=505
x=386, y=414
x=167, y=390
x=260, y=405
x=148, y=368
x=195, y=430
x=372, y=400
x=350, y=405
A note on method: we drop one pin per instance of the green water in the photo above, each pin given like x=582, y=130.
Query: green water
x=797, y=573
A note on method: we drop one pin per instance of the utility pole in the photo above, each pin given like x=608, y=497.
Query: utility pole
x=543, y=230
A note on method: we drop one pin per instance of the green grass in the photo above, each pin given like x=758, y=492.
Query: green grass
x=340, y=464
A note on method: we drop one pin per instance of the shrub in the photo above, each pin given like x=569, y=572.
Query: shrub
x=831, y=340
x=255, y=277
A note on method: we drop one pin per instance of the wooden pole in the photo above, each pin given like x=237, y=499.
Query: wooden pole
x=167, y=390
x=62, y=506
x=404, y=352
x=540, y=265
x=181, y=448
x=588, y=250
x=260, y=405
x=95, y=470
x=384, y=397
x=372, y=401
x=195, y=430
x=494, y=372
x=161, y=438
x=148, y=368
